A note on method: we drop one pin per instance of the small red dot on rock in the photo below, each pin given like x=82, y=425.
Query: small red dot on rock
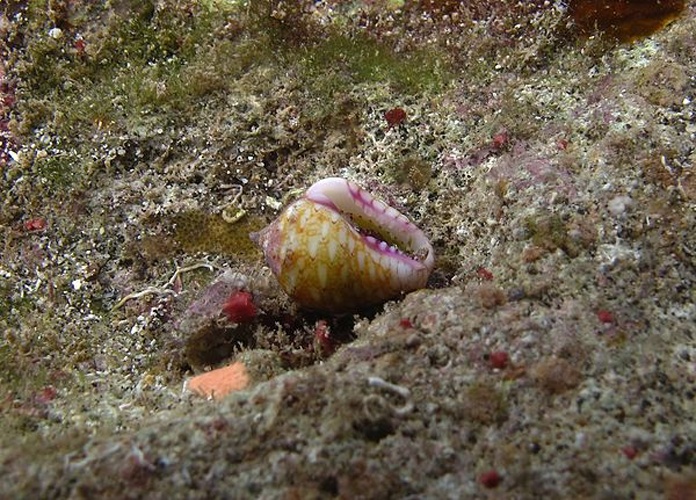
x=484, y=274
x=46, y=395
x=80, y=46
x=322, y=335
x=605, y=316
x=499, y=359
x=395, y=116
x=630, y=452
x=500, y=139
x=36, y=224
x=405, y=323
x=490, y=479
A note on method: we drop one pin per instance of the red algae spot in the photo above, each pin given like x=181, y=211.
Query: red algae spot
x=35, y=224
x=484, y=274
x=490, y=479
x=395, y=117
x=322, y=336
x=80, y=46
x=605, y=316
x=46, y=395
x=630, y=452
x=500, y=140
x=240, y=307
x=626, y=20
x=499, y=360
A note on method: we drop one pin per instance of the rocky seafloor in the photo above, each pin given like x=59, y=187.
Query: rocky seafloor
x=553, y=353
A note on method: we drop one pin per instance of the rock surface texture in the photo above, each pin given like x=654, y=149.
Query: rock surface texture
x=552, y=352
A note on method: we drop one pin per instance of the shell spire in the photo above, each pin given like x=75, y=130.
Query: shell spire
x=338, y=249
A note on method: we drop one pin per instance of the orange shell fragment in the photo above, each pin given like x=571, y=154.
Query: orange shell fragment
x=218, y=383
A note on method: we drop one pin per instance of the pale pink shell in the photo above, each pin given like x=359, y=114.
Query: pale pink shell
x=338, y=249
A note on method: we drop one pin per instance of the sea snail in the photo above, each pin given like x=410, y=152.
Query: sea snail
x=338, y=249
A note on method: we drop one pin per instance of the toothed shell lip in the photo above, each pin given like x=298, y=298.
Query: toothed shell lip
x=398, y=236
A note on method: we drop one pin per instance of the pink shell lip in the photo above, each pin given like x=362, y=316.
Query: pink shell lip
x=392, y=232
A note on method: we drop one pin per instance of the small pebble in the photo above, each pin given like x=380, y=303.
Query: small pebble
x=619, y=204
x=55, y=33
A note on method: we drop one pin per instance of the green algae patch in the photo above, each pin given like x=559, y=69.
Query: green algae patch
x=197, y=231
x=146, y=62
x=412, y=170
x=485, y=403
x=57, y=172
x=343, y=60
x=551, y=232
x=547, y=231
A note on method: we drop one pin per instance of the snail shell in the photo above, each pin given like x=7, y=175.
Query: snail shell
x=338, y=249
